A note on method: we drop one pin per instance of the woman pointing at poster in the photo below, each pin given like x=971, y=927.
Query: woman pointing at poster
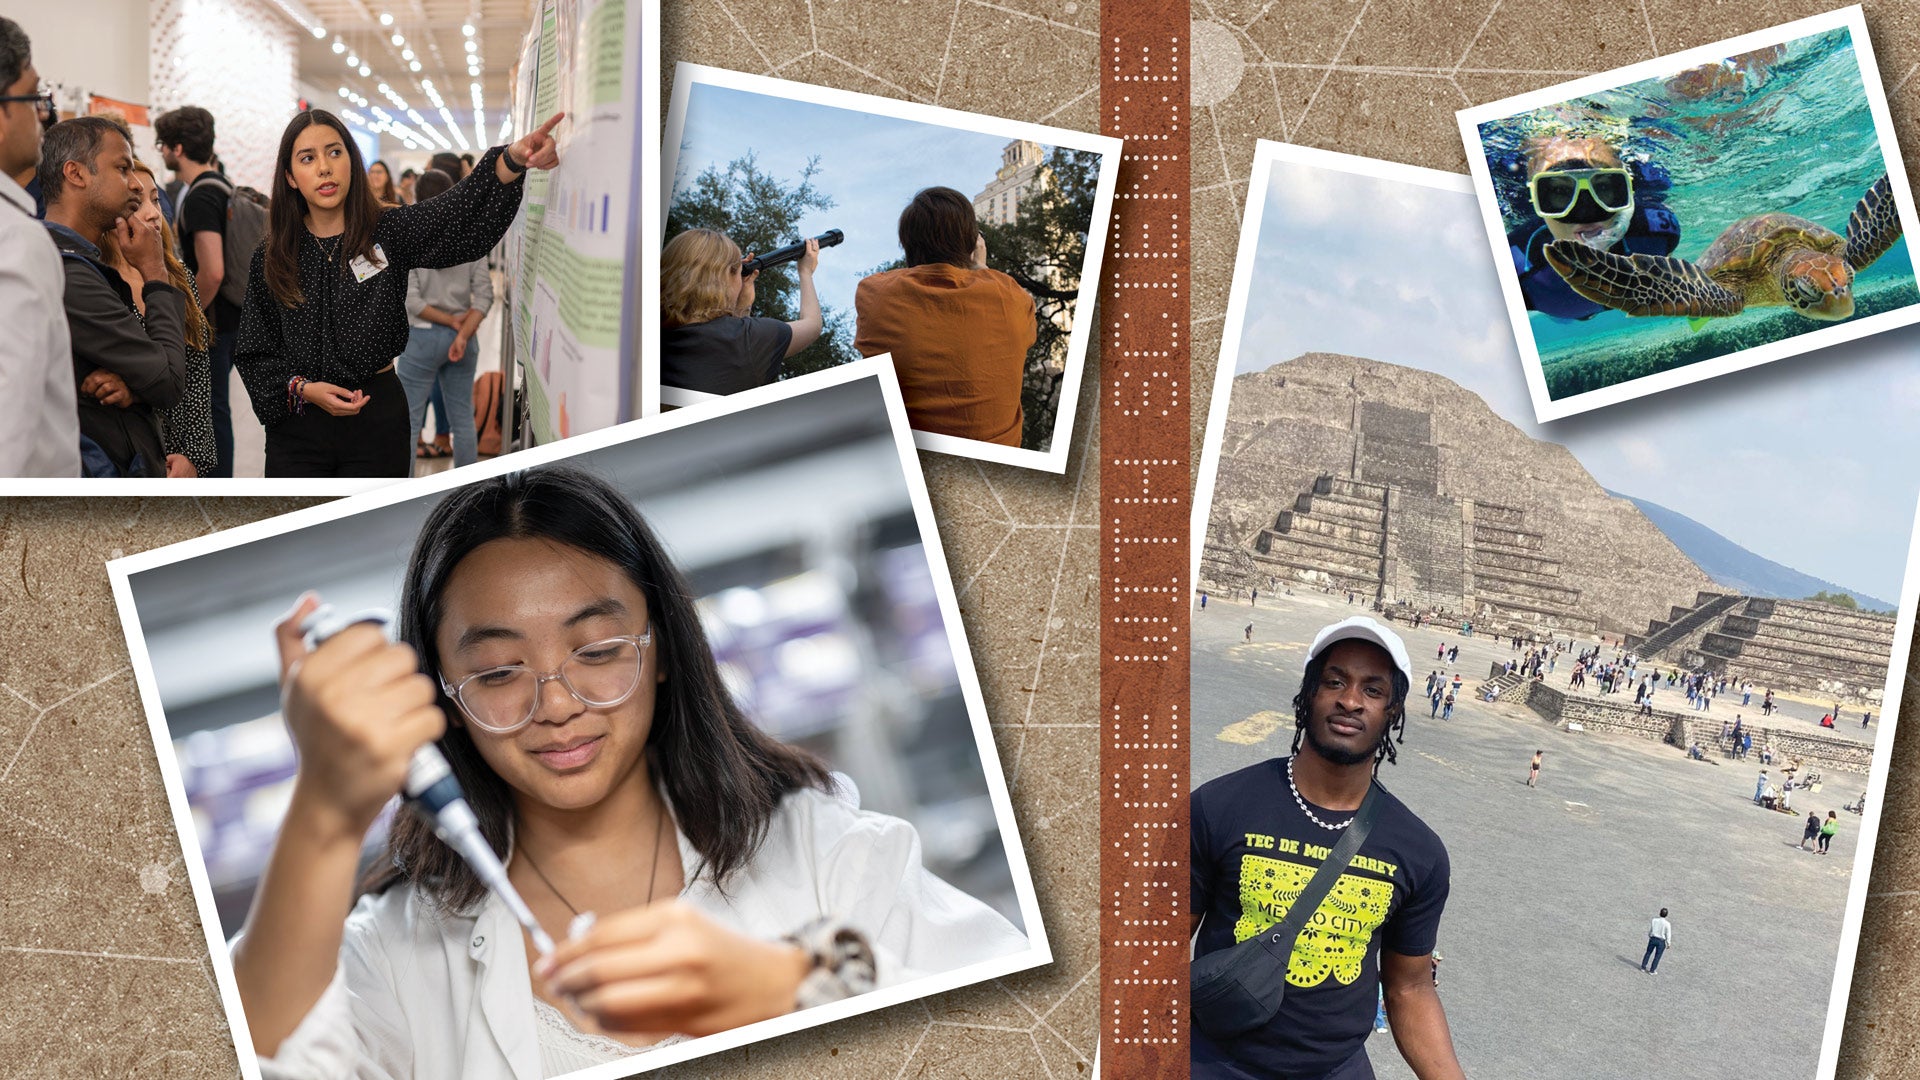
x=325, y=312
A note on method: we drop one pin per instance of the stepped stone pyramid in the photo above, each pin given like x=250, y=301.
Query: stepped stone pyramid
x=1405, y=487
x=1782, y=644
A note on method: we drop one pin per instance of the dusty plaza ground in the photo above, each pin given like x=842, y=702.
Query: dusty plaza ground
x=1553, y=888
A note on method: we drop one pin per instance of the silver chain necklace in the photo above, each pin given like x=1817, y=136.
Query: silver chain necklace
x=1311, y=816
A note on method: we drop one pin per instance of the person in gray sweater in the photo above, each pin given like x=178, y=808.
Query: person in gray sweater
x=125, y=366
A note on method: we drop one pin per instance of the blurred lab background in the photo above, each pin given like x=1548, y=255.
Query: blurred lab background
x=793, y=523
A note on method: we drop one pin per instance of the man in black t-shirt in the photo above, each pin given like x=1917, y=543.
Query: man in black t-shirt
x=186, y=145
x=1259, y=835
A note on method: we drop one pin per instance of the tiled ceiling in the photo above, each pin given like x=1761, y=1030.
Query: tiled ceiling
x=432, y=30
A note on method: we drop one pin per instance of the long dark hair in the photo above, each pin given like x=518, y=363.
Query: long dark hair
x=286, y=217
x=724, y=776
x=1396, y=709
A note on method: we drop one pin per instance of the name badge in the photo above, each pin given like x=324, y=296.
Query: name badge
x=363, y=269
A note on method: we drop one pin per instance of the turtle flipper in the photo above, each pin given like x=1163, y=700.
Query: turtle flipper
x=1874, y=225
x=1641, y=284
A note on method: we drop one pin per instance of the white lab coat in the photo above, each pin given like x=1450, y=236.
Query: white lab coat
x=421, y=996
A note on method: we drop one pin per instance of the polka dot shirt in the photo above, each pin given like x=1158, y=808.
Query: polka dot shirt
x=348, y=330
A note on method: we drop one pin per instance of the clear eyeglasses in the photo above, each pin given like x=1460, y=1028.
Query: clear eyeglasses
x=503, y=699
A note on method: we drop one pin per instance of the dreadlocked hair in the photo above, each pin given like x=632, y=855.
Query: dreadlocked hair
x=1396, y=710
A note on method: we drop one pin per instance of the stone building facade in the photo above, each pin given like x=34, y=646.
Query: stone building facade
x=1022, y=175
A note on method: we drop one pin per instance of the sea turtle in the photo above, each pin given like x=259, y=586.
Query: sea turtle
x=1766, y=260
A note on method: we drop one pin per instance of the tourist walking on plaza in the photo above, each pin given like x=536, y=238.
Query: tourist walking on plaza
x=1446, y=708
x=1827, y=830
x=1533, y=771
x=1249, y=631
x=1659, y=936
x=1812, y=830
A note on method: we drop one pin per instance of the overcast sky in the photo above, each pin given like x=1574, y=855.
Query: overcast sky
x=1809, y=461
x=871, y=165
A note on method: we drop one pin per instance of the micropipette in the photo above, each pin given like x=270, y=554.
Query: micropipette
x=435, y=794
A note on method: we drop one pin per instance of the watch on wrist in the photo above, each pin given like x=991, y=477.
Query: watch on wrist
x=841, y=962
x=506, y=154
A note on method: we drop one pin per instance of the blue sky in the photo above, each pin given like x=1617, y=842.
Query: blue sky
x=1809, y=461
x=871, y=165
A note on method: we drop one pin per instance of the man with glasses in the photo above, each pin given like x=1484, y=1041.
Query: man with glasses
x=1580, y=189
x=39, y=425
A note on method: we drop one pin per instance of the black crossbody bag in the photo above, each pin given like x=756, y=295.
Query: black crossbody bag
x=1238, y=989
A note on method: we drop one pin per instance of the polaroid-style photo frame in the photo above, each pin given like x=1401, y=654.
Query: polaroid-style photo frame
x=1697, y=214
x=764, y=162
x=1372, y=451
x=833, y=624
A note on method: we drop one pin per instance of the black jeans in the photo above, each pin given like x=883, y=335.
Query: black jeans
x=373, y=442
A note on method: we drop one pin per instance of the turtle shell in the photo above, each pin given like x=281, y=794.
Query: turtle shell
x=1751, y=247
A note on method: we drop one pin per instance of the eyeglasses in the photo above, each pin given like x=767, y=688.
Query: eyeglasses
x=503, y=699
x=1554, y=193
x=43, y=104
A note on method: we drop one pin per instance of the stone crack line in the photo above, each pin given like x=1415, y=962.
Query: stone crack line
x=99, y=954
x=42, y=714
x=1036, y=18
x=1903, y=80
x=953, y=22
x=1475, y=40
x=1337, y=53
x=748, y=38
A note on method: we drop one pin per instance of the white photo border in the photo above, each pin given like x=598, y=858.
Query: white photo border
x=1038, y=953
x=1266, y=155
x=1054, y=458
x=1547, y=409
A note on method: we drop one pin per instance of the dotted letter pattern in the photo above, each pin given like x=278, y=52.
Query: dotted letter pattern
x=1145, y=492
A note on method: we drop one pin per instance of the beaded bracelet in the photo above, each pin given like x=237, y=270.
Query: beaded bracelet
x=296, y=403
x=842, y=962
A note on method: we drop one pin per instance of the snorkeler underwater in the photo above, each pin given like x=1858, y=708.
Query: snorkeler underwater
x=1695, y=215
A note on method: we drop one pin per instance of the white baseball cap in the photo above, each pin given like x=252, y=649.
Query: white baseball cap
x=1364, y=629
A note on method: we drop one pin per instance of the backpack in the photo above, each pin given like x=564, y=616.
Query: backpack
x=246, y=228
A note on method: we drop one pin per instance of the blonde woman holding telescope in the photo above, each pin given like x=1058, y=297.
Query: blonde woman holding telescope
x=710, y=341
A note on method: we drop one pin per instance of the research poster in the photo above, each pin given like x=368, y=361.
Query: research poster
x=570, y=253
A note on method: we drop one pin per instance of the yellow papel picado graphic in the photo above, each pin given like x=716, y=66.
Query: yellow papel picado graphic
x=1335, y=939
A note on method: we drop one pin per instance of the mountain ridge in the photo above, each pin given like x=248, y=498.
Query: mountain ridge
x=1737, y=567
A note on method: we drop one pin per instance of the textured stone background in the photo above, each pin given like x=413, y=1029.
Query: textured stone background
x=103, y=967
x=1383, y=78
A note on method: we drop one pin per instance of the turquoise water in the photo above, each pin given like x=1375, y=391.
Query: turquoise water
x=1787, y=129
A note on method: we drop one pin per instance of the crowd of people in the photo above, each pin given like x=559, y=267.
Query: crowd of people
x=347, y=300
x=957, y=329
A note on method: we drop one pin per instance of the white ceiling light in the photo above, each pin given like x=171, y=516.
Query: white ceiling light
x=415, y=66
x=467, y=29
x=353, y=61
x=386, y=18
x=472, y=46
x=319, y=31
x=339, y=46
x=365, y=71
x=406, y=54
x=398, y=41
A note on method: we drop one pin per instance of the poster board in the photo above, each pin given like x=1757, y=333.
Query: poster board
x=570, y=256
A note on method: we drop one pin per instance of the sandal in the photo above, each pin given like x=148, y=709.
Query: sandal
x=424, y=449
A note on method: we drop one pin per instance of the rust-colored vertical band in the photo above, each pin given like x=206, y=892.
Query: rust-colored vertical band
x=1145, y=496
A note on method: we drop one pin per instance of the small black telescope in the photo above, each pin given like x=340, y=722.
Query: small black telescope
x=782, y=256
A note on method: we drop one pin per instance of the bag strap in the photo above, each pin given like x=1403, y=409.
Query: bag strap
x=1279, y=940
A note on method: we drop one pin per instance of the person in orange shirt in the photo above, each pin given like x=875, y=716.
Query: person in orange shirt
x=958, y=331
